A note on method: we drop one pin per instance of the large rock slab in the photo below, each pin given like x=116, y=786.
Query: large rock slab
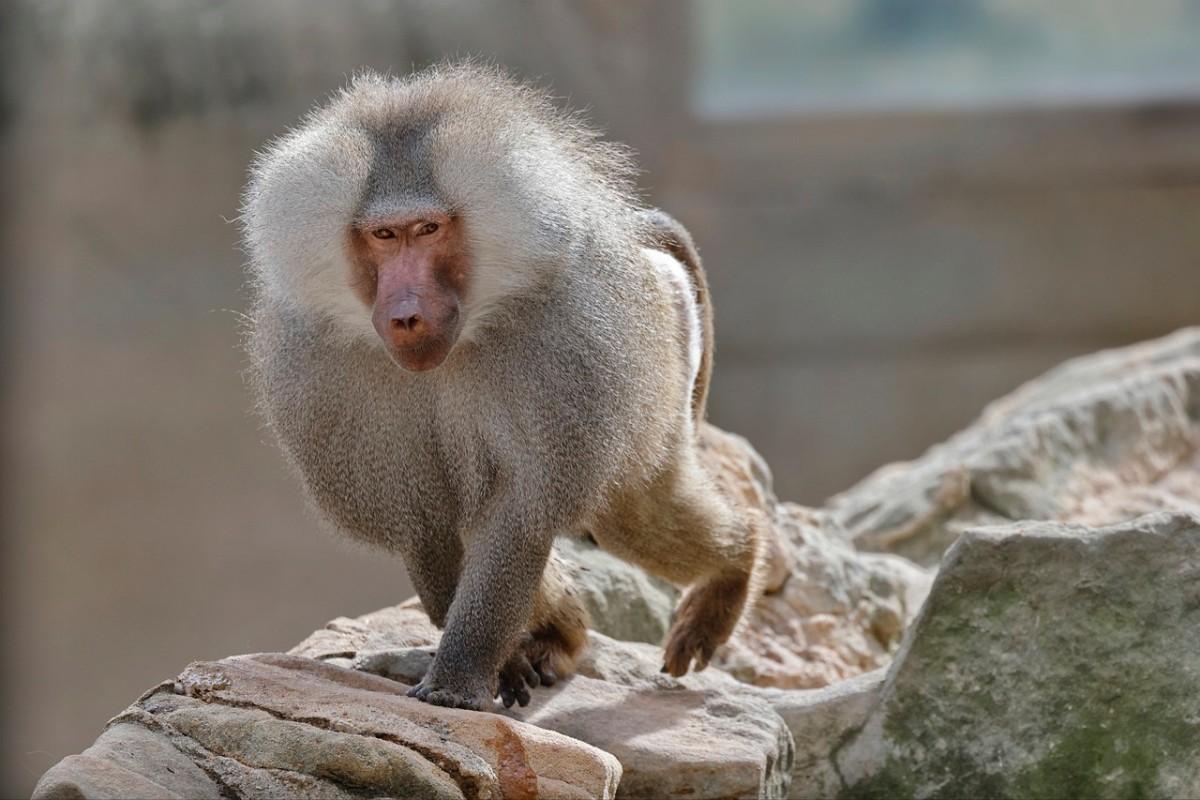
x=1098, y=440
x=1050, y=660
x=128, y=761
x=282, y=726
x=673, y=743
x=661, y=729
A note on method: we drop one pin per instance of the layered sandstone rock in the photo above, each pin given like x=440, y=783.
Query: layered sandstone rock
x=1098, y=440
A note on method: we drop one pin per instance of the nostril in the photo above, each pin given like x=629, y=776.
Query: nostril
x=408, y=323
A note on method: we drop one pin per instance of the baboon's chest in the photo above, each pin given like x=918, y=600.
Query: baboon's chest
x=367, y=442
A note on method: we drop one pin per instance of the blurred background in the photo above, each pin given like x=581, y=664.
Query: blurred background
x=907, y=207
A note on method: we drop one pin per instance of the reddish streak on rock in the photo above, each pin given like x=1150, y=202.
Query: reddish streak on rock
x=518, y=781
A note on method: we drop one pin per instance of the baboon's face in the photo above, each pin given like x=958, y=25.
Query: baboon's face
x=411, y=269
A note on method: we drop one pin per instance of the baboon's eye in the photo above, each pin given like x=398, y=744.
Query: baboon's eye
x=383, y=233
x=427, y=228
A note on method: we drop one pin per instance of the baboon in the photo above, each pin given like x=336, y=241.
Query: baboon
x=469, y=337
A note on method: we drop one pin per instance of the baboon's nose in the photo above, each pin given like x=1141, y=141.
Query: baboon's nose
x=418, y=328
x=406, y=322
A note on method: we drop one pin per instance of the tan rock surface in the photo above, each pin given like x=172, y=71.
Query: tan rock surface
x=660, y=728
x=126, y=761
x=285, y=726
x=699, y=743
x=1098, y=440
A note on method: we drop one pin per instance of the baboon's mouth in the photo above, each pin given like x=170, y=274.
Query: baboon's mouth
x=425, y=356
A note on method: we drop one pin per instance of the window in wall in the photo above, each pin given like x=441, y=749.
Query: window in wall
x=766, y=58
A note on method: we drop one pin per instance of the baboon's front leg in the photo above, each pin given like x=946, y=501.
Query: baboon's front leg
x=505, y=558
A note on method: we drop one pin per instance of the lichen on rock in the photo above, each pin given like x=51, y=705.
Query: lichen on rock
x=1049, y=661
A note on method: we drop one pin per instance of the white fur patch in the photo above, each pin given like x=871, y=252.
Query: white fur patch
x=297, y=211
x=511, y=235
x=684, y=292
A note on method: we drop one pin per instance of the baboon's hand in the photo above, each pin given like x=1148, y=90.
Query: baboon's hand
x=452, y=694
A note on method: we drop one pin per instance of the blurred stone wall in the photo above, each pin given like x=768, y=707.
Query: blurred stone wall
x=877, y=280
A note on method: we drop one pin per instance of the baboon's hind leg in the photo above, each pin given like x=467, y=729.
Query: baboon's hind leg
x=684, y=530
x=715, y=604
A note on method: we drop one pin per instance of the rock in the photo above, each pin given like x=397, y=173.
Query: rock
x=820, y=720
x=126, y=761
x=291, y=727
x=1098, y=440
x=840, y=614
x=660, y=728
x=665, y=740
x=84, y=776
x=389, y=629
x=623, y=600
x=407, y=665
x=1050, y=660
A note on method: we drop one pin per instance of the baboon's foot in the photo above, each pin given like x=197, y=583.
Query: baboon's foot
x=705, y=618
x=518, y=676
x=541, y=658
